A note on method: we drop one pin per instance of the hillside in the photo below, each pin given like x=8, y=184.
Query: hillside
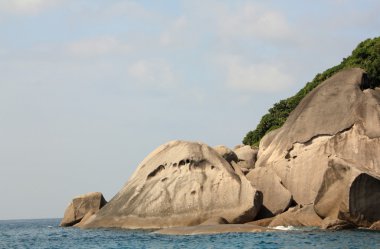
x=366, y=56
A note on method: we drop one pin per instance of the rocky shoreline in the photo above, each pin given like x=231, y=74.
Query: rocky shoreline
x=320, y=169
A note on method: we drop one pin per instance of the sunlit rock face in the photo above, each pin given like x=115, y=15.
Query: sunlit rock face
x=82, y=207
x=180, y=184
x=327, y=152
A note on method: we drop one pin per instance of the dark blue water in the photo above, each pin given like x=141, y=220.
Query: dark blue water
x=47, y=234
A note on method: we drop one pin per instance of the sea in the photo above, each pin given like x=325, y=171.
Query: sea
x=45, y=233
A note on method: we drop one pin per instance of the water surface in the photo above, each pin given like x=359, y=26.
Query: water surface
x=46, y=234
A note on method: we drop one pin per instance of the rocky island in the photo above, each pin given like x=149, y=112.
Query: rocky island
x=318, y=166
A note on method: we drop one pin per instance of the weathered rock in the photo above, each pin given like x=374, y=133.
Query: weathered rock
x=348, y=194
x=336, y=224
x=180, y=184
x=214, y=229
x=276, y=198
x=262, y=222
x=327, y=152
x=298, y=216
x=214, y=221
x=226, y=153
x=82, y=206
x=246, y=156
x=238, y=146
x=244, y=170
x=375, y=225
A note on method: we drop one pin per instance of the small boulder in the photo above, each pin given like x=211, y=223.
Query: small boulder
x=375, y=225
x=82, y=206
x=298, y=216
x=246, y=156
x=226, y=153
x=214, y=221
x=336, y=224
x=262, y=222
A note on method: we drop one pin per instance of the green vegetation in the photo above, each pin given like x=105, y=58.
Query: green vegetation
x=366, y=56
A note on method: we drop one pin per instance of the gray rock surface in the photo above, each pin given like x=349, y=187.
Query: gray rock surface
x=336, y=224
x=327, y=152
x=180, y=184
x=214, y=221
x=262, y=222
x=82, y=206
x=297, y=216
x=226, y=153
x=246, y=156
x=276, y=198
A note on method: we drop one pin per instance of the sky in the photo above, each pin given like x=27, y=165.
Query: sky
x=88, y=88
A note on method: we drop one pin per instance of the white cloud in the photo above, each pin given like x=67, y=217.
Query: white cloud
x=97, y=47
x=28, y=7
x=254, y=77
x=255, y=21
x=103, y=10
x=153, y=72
x=179, y=33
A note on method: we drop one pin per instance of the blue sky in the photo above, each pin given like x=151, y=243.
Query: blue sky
x=89, y=88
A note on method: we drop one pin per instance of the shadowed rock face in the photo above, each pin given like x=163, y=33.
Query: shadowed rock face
x=364, y=197
x=327, y=152
x=180, y=184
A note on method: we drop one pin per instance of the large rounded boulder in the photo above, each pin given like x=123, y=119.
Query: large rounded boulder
x=180, y=184
x=276, y=198
x=327, y=152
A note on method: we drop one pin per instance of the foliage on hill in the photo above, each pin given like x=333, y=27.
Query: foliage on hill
x=366, y=56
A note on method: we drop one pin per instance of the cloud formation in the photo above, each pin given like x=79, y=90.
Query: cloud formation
x=27, y=7
x=253, y=20
x=153, y=73
x=255, y=77
x=97, y=47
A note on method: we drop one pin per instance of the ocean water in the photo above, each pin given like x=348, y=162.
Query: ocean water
x=47, y=234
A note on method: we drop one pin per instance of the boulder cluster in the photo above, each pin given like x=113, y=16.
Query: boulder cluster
x=320, y=169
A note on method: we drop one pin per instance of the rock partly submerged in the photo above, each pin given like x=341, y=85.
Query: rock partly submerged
x=325, y=159
x=180, y=184
x=82, y=207
x=297, y=216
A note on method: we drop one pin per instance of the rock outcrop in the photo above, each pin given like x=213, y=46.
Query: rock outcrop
x=180, y=184
x=327, y=152
x=82, y=207
x=321, y=168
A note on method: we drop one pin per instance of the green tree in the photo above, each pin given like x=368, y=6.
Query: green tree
x=366, y=56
